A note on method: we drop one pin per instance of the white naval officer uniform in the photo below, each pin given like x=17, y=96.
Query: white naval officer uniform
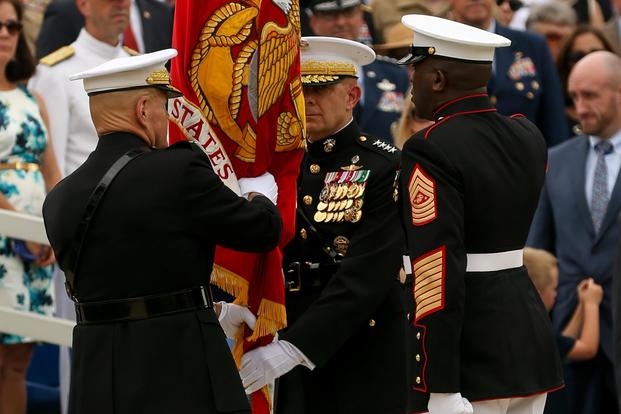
x=73, y=136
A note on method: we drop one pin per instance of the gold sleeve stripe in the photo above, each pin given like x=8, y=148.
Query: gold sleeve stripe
x=428, y=309
x=430, y=301
x=429, y=272
x=434, y=288
x=431, y=268
x=425, y=284
x=425, y=260
x=422, y=194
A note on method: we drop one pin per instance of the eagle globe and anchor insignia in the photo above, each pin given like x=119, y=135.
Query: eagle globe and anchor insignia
x=227, y=66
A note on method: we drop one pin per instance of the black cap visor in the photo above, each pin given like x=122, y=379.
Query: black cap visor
x=417, y=54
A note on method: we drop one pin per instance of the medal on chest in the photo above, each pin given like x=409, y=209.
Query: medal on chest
x=341, y=197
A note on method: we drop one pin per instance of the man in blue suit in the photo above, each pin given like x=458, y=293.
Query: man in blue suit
x=576, y=219
x=524, y=77
x=384, y=83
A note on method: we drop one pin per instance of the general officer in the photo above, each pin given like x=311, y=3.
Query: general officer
x=469, y=189
x=344, y=349
x=70, y=122
x=134, y=228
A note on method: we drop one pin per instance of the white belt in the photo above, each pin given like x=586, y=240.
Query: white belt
x=490, y=262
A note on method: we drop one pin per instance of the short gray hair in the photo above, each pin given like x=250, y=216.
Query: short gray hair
x=554, y=12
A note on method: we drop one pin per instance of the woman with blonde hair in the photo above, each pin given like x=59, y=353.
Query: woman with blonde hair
x=408, y=124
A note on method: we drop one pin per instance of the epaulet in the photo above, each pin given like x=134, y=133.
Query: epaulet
x=58, y=56
x=130, y=51
x=386, y=59
x=379, y=146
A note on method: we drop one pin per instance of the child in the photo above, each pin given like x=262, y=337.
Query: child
x=580, y=339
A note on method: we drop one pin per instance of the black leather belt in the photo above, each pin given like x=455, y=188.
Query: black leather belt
x=131, y=309
x=299, y=275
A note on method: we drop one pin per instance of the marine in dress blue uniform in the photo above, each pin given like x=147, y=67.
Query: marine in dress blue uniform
x=136, y=242
x=469, y=189
x=345, y=341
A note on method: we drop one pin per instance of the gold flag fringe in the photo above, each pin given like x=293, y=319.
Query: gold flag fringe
x=231, y=283
x=271, y=317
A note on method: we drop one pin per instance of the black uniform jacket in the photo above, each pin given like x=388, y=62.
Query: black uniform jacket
x=348, y=319
x=470, y=184
x=154, y=232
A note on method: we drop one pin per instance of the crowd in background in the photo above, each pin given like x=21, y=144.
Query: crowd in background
x=530, y=77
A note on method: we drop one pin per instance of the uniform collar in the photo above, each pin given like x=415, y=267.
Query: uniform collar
x=334, y=143
x=120, y=142
x=464, y=104
x=87, y=41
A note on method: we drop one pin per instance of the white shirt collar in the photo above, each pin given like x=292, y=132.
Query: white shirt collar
x=87, y=41
x=615, y=140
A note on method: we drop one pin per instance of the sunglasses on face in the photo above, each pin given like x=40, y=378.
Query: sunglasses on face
x=576, y=56
x=12, y=26
x=513, y=4
x=554, y=37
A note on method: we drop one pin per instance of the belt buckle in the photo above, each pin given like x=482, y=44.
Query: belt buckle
x=294, y=269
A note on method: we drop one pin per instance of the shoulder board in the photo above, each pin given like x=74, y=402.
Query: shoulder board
x=58, y=56
x=388, y=59
x=377, y=145
x=130, y=51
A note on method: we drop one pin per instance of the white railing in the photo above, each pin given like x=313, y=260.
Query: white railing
x=32, y=325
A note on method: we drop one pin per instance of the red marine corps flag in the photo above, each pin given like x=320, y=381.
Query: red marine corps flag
x=239, y=69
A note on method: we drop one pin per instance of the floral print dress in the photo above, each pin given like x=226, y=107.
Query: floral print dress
x=23, y=138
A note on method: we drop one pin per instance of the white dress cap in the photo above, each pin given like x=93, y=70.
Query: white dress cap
x=325, y=60
x=130, y=72
x=434, y=36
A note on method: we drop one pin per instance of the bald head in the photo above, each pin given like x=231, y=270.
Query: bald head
x=595, y=87
x=139, y=111
x=599, y=64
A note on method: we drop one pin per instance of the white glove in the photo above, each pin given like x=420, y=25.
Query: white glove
x=264, y=364
x=440, y=403
x=232, y=316
x=264, y=184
